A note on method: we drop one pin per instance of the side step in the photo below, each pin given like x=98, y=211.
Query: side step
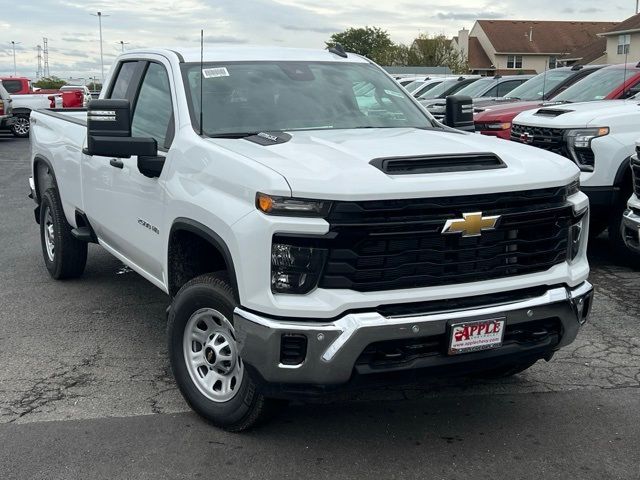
x=84, y=234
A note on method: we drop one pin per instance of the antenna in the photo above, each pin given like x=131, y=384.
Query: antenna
x=544, y=82
x=201, y=78
x=624, y=82
x=338, y=49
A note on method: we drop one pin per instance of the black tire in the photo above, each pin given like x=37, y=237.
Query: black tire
x=507, y=370
x=248, y=407
x=622, y=254
x=69, y=255
x=21, y=126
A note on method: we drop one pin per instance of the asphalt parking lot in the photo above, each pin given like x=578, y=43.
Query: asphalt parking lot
x=86, y=390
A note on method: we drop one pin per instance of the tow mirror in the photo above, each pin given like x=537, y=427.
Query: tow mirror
x=109, y=131
x=459, y=113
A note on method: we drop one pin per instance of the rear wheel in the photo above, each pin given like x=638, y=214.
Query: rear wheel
x=205, y=359
x=64, y=255
x=21, y=126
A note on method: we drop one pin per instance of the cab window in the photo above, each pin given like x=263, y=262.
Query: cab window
x=153, y=113
x=123, y=80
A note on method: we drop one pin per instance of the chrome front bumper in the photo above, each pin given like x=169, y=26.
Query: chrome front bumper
x=631, y=230
x=333, y=347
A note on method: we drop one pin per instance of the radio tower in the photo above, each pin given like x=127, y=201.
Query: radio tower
x=45, y=53
x=39, y=72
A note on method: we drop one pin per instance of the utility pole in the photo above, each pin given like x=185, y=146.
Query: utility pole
x=45, y=54
x=637, y=6
x=100, y=15
x=13, y=45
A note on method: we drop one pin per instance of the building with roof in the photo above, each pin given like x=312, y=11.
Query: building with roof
x=527, y=46
x=623, y=41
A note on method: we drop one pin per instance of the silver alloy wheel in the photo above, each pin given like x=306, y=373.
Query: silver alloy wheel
x=21, y=125
x=211, y=355
x=49, y=234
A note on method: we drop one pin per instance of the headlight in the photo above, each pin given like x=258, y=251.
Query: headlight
x=577, y=234
x=295, y=269
x=292, y=207
x=573, y=187
x=579, y=145
x=497, y=126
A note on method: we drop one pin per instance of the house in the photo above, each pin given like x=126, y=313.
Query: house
x=623, y=41
x=525, y=46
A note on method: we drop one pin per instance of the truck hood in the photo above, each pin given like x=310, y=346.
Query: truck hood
x=575, y=115
x=334, y=164
x=504, y=113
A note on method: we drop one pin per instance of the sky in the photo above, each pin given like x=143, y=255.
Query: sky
x=74, y=48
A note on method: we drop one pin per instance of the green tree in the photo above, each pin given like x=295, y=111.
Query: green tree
x=52, y=82
x=372, y=42
x=436, y=51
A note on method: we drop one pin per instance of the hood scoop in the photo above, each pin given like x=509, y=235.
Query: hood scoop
x=551, y=112
x=465, y=162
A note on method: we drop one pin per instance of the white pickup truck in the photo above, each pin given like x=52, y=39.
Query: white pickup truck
x=600, y=138
x=310, y=242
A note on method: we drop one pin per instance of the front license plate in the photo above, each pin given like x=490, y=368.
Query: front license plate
x=476, y=335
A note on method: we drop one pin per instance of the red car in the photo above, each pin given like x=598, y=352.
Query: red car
x=609, y=83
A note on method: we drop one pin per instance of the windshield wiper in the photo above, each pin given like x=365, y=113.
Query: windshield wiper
x=234, y=135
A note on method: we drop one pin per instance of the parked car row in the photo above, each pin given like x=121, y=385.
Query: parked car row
x=588, y=114
x=19, y=99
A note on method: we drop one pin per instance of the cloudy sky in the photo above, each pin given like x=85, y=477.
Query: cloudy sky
x=73, y=32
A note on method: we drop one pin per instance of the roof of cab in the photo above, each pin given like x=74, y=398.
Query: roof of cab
x=252, y=53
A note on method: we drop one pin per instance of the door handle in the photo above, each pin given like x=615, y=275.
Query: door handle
x=114, y=162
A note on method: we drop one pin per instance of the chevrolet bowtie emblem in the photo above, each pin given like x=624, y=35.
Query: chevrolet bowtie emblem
x=471, y=225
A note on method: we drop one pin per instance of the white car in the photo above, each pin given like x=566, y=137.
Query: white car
x=600, y=138
x=310, y=242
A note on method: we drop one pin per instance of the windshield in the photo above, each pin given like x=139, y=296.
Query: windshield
x=413, y=86
x=535, y=88
x=425, y=88
x=476, y=89
x=245, y=97
x=448, y=87
x=596, y=86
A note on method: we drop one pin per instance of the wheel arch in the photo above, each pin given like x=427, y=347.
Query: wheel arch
x=44, y=176
x=21, y=111
x=623, y=176
x=197, y=229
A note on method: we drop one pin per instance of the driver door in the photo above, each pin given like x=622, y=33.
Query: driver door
x=128, y=207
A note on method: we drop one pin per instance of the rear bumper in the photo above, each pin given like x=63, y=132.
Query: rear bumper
x=334, y=348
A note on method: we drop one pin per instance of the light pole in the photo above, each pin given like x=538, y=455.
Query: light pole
x=122, y=44
x=13, y=45
x=100, y=15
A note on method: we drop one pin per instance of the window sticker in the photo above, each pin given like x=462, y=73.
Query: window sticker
x=215, y=72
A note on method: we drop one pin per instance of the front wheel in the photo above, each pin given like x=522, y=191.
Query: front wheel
x=204, y=355
x=21, y=126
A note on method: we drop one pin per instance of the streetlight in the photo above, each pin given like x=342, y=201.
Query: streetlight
x=122, y=44
x=13, y=44
x=100, y=15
